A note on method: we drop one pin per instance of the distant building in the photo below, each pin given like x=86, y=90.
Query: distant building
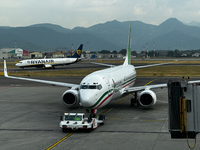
x=36, y=55
x=58, y=55
x=195, y=55
x=13, y=53
x=19, y=53
x=184, y=55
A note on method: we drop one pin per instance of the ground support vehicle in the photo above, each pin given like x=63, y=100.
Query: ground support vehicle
x=76, y=121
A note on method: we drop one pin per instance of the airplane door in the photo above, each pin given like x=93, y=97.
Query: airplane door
x=108, y=83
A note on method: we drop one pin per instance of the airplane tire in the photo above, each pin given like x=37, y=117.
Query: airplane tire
x=64, y=130
x=132, y=101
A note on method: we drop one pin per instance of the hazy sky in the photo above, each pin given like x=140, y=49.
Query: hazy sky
x=85, y=13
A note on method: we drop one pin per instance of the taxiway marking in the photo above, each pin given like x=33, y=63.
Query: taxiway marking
x=52, y=146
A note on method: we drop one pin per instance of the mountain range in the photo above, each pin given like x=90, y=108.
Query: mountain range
x=113, y=35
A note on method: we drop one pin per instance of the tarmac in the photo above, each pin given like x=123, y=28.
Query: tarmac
x=30, y=114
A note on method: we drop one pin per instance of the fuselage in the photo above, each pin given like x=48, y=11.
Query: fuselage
x=100, y=87
x=45, y=62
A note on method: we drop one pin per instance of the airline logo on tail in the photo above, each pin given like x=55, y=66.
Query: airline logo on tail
x=78, y=52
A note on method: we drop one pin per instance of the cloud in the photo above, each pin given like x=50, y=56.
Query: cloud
x=138, y=10
x=11, y=3
x=4, y=20
x=71, y=13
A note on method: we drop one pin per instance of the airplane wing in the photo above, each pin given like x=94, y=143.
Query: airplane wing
x=140, y=88
x=38, y=80
x=138, y=67
x=148, y=87
x=108, y=65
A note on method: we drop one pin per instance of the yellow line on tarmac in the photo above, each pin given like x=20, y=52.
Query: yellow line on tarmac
x=148, y=83
x=52, y=146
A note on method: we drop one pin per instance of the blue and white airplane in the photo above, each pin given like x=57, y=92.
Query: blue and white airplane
x=51, y=62
x=97, y=89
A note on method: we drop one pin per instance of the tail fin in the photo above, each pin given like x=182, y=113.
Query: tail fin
x=128, y=52
x=78, y=52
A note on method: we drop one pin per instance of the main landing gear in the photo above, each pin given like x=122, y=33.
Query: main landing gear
x=134, y=100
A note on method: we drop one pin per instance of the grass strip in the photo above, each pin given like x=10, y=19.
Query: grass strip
x=168, y=71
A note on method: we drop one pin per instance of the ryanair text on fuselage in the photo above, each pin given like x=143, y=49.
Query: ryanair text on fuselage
x=40, y=61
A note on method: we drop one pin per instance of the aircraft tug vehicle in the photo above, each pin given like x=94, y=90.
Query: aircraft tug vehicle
x=79, y=121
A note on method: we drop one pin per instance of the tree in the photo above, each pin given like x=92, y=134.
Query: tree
x=104, y=52
x=114, y=52
x=123, y=52
x=170, y=54
x=134, y=53
x=177, y=53
x=151, y=53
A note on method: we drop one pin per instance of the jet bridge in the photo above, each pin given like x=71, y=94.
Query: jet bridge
x=184, y=109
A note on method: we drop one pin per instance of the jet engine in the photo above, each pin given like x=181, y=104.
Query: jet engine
x=48, y=66
x=147, y=98
x=71, y=97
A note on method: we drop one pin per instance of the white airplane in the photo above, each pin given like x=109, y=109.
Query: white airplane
x=51, y=62
x=100, y=87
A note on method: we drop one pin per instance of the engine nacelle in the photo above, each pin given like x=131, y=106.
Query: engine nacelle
x=48, y=66
x=71, y=97
x=147, y=98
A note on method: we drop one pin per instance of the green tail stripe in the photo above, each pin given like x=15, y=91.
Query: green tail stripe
x=129, y=45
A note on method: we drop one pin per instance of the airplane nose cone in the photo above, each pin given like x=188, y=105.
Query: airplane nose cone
x=87, y=99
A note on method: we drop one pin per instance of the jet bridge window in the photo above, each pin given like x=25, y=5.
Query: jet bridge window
x=188, y=105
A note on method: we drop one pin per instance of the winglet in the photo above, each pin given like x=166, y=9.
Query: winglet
x=128, y=53
x=5, y=69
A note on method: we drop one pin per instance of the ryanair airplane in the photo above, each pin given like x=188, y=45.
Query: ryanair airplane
x=51, y=62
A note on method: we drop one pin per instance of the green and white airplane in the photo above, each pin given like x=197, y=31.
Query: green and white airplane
x=100, y=87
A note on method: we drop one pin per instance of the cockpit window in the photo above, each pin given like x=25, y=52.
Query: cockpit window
x=84, y=87
x=92, y=87
x=99, y=87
